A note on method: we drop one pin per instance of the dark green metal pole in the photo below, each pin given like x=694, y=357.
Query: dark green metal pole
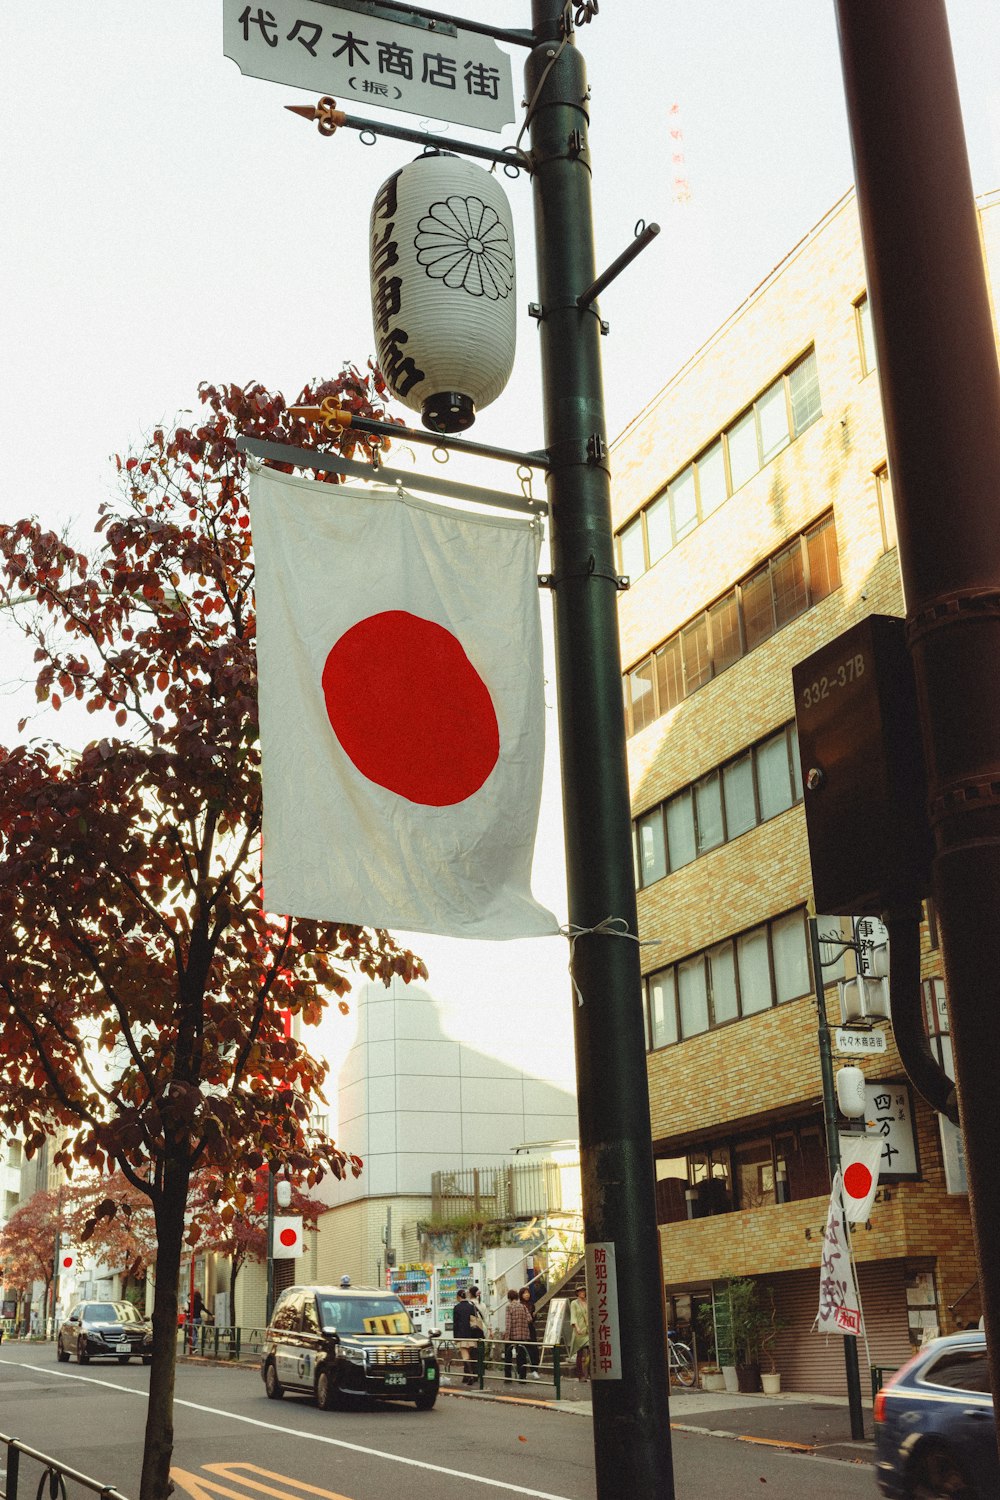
x=833, y=1157
x=270, y=1247
x=631, y=1431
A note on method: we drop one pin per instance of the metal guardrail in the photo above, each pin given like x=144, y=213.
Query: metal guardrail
x=53, y=1477
x=210, y=1342
x=491, y=1362
x=879, y=1372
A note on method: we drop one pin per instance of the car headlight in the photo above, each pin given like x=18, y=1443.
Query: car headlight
x=355, y=1356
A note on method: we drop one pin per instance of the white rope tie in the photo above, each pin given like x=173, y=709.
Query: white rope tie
x=609, y=927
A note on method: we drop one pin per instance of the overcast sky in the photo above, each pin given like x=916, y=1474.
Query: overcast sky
x=166, y=221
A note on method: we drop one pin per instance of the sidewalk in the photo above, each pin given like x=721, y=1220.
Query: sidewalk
x=802, y=1423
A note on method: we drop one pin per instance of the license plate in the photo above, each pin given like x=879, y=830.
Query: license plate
x=395, y=1380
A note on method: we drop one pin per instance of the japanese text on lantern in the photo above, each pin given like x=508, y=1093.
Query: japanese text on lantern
x=399, y=368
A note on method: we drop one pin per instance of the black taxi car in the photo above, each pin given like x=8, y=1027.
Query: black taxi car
x=347, y=1341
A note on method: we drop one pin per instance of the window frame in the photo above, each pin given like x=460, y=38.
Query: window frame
x=690, y=791
x=664, y=495
x=763, y=571
x=690, y=961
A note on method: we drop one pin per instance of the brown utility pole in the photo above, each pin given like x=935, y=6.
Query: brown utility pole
x=940, y=383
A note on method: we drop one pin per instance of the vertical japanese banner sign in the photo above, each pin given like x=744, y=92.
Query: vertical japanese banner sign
x=839, y=1304
x=605, y=1325
x=401, y=710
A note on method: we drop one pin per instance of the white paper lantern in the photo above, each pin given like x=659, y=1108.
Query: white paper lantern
x=851, y=1092
x=443, y=294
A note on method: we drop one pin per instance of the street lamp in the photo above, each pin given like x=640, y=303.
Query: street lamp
x=279, y=1192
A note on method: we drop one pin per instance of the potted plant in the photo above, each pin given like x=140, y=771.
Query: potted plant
x=739, y=1312
x=770, y=1378
x=712, y=1378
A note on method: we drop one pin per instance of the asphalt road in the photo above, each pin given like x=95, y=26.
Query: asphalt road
x=231, y=1443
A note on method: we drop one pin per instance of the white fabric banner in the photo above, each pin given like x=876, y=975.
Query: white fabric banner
x=401, y=712
x=286, y=1239
x=839, y=1304
x=859, y=1163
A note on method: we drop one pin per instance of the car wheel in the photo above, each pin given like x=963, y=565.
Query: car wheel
x=938, y=1475
x=327, y=1395
x=82, y=1353
x=426, y=1400
x=62, y=1355
x=272, y=1384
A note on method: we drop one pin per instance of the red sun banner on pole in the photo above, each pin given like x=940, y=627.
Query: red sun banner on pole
x=859, y=1164
x=401, y=710
x=286, y=1241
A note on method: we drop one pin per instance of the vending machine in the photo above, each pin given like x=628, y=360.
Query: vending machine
x=414, y=1286
x=449, y=1279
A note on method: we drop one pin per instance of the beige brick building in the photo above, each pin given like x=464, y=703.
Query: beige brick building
x=753, y=513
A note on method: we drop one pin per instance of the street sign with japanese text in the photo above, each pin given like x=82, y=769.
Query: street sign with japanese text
x=889, y=1114
x=602, y=1302
x=858, y=1043
x=363, y=59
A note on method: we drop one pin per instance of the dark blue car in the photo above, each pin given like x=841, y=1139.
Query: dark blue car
x=934, y=1429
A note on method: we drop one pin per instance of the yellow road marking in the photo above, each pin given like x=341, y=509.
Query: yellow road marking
x=202, y=1489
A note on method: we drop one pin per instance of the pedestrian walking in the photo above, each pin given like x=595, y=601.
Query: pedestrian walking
x=579, y=1343
x=465, y=1336
x=534, y=1353
x=516, y=1333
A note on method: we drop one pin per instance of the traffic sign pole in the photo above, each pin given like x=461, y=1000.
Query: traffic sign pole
x=628, y=1349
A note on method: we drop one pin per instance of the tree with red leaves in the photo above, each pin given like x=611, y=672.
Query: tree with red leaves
x=28, y=1244
x=236, y=1227
x=143, y=992
x=114, y=1221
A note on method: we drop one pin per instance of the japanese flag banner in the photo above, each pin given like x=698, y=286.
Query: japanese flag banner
x=67, y=1262
x=401, y=710
x=859, y=1162
x=286, y=1238
x=839, y=1304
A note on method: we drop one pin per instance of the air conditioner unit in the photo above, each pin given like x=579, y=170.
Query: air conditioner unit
x=863, y=999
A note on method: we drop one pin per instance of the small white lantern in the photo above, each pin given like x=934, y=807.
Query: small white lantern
x=443, y=290
x=851, y=1092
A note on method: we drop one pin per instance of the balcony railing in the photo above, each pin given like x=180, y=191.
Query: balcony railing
x=528, y=1190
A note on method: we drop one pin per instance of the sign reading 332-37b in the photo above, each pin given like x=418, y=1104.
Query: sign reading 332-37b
x=464, y=77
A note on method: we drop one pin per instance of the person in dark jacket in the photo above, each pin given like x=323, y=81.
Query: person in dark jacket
x=465, y=1336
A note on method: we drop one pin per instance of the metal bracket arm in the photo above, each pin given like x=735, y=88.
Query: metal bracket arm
x=329, y=119
x=642, y=239
x=435, y=18
x=329, y=416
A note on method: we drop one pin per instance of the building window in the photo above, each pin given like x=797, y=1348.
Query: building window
x=780, y=414
x=784, y=1165
x=886, y=510
x=805, y=571
x=739, y=977
x=733, y=798
x=866, y=335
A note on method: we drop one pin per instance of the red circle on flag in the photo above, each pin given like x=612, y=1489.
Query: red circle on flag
x=410, y=709
x=288, y=1236
x=67, y=1262
x=857, y=1180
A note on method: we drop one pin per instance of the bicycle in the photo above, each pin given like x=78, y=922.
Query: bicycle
x=680, y=1365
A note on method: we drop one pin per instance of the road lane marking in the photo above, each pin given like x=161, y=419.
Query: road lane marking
x=199, y=1488
x=314, y=1437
